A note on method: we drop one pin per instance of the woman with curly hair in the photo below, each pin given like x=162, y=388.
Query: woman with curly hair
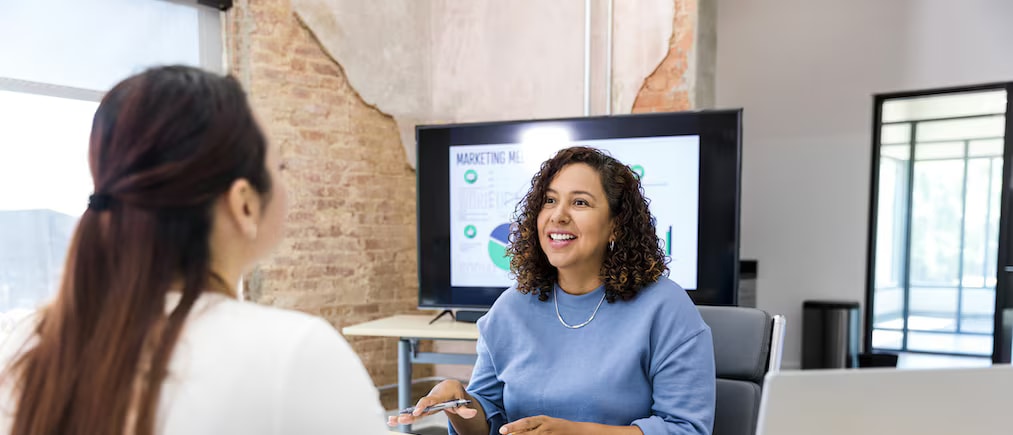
x=552, y=356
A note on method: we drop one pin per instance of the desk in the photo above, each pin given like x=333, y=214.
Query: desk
x=409, y=330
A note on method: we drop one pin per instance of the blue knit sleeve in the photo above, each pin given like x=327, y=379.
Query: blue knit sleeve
x=486, y=387
x=683, y=383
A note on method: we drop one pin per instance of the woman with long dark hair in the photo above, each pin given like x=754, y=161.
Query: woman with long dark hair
x=146, y=334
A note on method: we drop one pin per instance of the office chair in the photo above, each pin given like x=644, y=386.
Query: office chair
x=748, y=343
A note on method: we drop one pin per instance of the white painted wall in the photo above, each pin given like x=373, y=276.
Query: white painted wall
x=805, y=72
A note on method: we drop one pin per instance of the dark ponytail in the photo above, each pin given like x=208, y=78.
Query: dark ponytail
x=165, y=144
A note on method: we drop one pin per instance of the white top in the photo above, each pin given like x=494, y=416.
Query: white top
x=242, y=368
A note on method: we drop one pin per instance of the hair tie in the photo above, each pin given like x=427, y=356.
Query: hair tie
x=99, y=201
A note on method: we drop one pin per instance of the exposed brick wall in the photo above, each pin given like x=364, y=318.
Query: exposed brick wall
x=668, y=88
x=350, y=250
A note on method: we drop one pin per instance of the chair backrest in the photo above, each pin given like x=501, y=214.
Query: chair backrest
x=747, y=344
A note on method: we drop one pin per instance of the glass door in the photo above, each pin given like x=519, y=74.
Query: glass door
x=937, y=201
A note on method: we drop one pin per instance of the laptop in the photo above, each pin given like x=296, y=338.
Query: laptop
x=976, y=401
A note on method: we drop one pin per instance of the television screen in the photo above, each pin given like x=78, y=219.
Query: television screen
x=471, y=177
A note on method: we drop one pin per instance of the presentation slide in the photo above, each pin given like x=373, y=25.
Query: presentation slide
x=487, y=182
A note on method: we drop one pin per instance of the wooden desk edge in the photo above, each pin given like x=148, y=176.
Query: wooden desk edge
x=417, y=328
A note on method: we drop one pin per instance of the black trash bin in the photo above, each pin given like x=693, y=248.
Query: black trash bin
x=877, y=359
x=830, y=334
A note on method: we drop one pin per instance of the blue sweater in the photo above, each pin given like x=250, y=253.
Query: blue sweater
x=647, y=362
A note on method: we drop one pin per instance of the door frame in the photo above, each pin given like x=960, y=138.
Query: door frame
x=1003, y=332
x=1003, y=335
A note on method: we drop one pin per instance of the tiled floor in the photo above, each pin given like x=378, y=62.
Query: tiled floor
x=924, y=361
x=932, y=341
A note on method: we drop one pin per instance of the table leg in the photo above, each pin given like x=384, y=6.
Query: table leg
x=404, y=379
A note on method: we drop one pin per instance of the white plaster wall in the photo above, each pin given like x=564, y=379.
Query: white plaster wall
x=507, y=60
x=443, y=61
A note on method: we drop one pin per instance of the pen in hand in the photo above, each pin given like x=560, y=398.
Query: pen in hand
x=438, y=406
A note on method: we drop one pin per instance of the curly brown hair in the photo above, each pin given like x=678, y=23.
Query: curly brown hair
x=637, y=259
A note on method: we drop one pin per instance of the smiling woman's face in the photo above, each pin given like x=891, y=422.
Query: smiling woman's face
x=574, y=225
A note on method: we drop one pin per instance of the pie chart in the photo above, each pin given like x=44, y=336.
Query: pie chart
x=498, y=241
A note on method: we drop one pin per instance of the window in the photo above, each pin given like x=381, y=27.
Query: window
x=936, y=187
x=49, y=90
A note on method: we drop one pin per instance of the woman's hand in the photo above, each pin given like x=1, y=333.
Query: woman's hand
x=443, y=392
x=541, y=425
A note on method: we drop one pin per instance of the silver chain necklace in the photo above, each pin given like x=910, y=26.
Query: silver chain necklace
x=555, y=300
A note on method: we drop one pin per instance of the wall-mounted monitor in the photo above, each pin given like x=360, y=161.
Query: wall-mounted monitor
x=471, y=177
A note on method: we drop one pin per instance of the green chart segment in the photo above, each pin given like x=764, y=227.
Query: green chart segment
x=498, y=246
x=668, y=242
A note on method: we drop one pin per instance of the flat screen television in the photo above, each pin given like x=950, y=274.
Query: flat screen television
x=471, y=177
